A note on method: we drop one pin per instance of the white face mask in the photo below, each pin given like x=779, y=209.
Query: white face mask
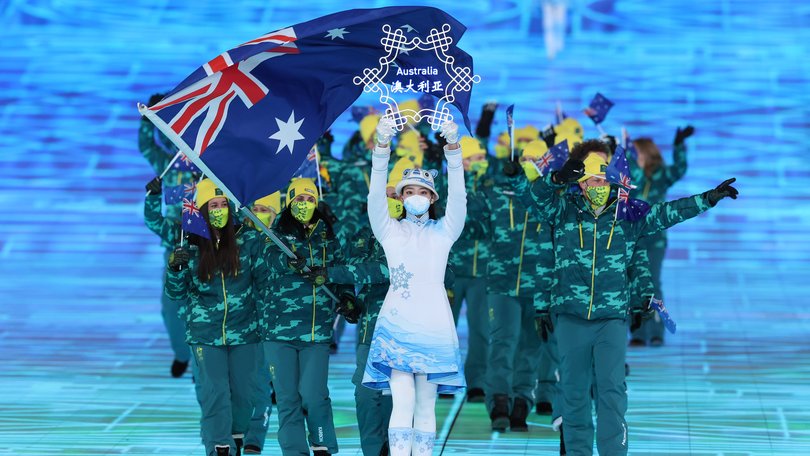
x=416, y=204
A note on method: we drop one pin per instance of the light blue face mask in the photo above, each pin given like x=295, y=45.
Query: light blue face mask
x=416, y=204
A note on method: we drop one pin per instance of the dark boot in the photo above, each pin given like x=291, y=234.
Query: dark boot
x=252, y=449
x=543, y=408
x=500, y=413
x=562, y=443
x=475, y=395
x=240, y=442
x=223, y=451
x=517, y=421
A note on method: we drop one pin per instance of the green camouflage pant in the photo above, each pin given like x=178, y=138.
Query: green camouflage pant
x=224, y=383
x=373, y=409
x=300, y=371
x=514, y=349
x=587, y=348
x=474, y=292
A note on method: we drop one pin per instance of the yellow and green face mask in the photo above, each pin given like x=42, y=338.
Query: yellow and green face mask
x=218, y=217
x=265, y=217
x=598, y=196
x=479, y=167
x=530, y=170
x=394, y=208
x=303, y=210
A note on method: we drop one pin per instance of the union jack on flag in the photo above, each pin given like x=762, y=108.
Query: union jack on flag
x=598, y=108
x=193, y=222
x=618, y=170
x=190, y=189
x=252, y=113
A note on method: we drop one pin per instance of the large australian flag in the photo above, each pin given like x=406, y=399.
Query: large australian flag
x=253, y=113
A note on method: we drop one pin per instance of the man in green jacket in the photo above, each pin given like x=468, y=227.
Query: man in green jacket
x=591, y=291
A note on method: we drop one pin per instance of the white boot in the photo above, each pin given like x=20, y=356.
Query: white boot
x=400, y=441
x=423, y=443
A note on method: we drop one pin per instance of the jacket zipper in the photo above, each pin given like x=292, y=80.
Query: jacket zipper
x=593, y=269
x=312, y=262
x=224, y=317
x=522, y=243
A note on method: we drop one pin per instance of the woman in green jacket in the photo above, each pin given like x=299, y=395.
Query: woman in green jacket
x=221, y=278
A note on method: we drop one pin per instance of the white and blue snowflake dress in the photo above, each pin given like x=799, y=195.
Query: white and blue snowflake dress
x=415, y=331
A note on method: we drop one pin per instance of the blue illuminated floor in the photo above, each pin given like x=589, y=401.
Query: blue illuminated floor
x=83, y=356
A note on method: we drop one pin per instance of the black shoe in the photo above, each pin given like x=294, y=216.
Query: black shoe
x=656, y=342
x=637, y=343
x=223, y=451
x=562, y=443
x=500, y=413
x=520, y=410
x=320, y=453
x=179, y=368
x=543, y=408
x=446, y=396
x=333, y=350
x=239, y=444
x=626, y=370
x=475, y=395
x=252, y=449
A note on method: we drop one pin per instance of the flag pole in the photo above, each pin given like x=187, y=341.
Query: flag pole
x=601, y=130
x=168, y=167
x=559, y=112
x=318, y=172
x=195, y=158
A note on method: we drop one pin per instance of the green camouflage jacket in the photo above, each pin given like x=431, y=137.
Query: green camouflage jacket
x=222, y=311
x=515, y=244
x=350, y=181
x=469, y=256
x=158, y=159
x=166, y=228
x=294, y=308
x=593, y=253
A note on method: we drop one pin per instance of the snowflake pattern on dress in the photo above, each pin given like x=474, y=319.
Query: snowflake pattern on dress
x=400, y=277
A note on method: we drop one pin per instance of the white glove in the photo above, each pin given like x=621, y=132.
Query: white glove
x=386, y=129
x=449, y=131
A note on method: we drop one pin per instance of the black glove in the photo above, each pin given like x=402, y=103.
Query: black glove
x=512, y=168
x=484, y=127
x=681, y=135
x=543, y=325
x=316, y=275
x=155, y=98
x=348, y=308
x=297, y=264
x=572, y=170
x=724, y=190
x=611, y=143
x=548, y=135
x=178, y=259
x=640, y=313
x=154, y=187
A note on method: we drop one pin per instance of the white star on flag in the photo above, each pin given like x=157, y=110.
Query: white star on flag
x=336, y=33
x=287, y=133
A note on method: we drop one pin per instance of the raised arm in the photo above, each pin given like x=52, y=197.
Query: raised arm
x=677, y=169
x=381, y=222
x=456, y=210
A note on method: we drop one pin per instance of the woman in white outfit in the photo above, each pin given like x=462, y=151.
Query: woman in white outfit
x=414, y=351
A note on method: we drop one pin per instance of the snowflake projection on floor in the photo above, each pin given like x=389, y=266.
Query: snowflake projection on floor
x=400, y=278
x=406, y=294
x=395, y=42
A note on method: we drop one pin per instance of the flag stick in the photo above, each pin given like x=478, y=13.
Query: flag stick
x=195, y=158
x=624, y=137
x=559, y=112
x=318, y=173
x=168, y=167
x=601, y=130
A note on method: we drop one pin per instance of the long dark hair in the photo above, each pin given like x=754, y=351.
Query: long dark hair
x=289, y=225
x=646, y=147
x=224, y=258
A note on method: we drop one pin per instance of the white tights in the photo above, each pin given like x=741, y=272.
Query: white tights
x=412, y=428
x=414, y=401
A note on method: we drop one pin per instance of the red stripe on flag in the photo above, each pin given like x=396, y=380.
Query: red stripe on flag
x=217, y=121
x=218, y=63
x=194, y=108
x=248, y=86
